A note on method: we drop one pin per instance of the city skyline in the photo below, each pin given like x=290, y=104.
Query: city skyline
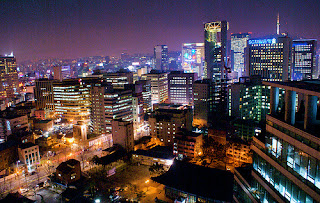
x=43, y=29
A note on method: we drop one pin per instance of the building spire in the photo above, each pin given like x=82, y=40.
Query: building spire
x=278, y=24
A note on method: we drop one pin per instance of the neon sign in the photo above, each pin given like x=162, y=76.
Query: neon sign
x=262, y=41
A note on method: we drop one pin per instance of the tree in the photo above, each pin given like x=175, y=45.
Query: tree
x=156, y=169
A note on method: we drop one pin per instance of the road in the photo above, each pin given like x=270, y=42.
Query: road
x=17, y=181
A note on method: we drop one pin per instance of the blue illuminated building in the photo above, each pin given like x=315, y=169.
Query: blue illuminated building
x=303, y=61
x=270, y=58
x=238, y=45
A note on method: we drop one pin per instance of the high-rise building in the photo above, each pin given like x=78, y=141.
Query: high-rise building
x=108, y=104
x=286, y=160
x=146, y=94
x=215, y=42
x=249, y=99
x=43, y=94
x=159, y=86
x=270, y=58
x=303, y=59
x=8, y=76
x=72, y=99
x=165, y=123
x=119, y=79
x=122, y=134
x=204, y=102
x=57, y=73
x=161, y=57
x=238, y=45
x=317, y=69
x=193, y=58
x=180, y=87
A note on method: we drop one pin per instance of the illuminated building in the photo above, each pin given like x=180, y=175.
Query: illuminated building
x=249, y=99
x=122, y=134
x=12, y=123
x=29, y=155
x=159, y=86
x=8, y=76
x=57, y=73
x=238, y=45
x=270, y=58
x=161, y=57
x=180, y=87
x=286, y=160
x=187, y=144
x=43, y=93
x=108, y=104
x=317, y=69
x=215, y=42
x=72, y=99
x=119, y=79
x=303, y=59
x=193, y=58
x=204, y=102
x=146, y=94
x=165, y=123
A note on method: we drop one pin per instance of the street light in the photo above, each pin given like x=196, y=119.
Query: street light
x=147, y=181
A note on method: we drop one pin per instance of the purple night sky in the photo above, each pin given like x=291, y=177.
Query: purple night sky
x=76, y=28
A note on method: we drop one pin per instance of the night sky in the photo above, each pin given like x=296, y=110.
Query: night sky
x=75, y=28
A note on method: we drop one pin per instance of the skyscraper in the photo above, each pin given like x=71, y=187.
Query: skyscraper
x=238, y=45
x=270, y=58
x=8, y=76
x=43, y=94
x=180, y=87
x=193, y=58
x=159, y=86
x=215, y=42
x=161, y=57
x=303, y=59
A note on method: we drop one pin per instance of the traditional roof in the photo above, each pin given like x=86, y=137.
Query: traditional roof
x=201, y=181
x=67, y=166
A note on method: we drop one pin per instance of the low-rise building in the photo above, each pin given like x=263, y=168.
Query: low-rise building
x=187, y=144
x=8, y=155
x=69, y=171
x=44, y=125
x=29, y=155
x=239, y=153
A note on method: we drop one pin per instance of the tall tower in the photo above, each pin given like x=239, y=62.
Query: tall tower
x=161, y=57
x=278, y=24
x=215, y=42
x=238, y=45
x=8, y=76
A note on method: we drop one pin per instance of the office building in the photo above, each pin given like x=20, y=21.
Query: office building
x=146, y=94
x=286, y=160
x=238, y=45
x=161, y=57
x=122, y=134
x=193, y=58
x=270, y=58
x=159, y=86
x=249, y=99
x=303, y=59
x=107, y=104
x=165, y=123
x=43, y=94
x=57, y=73
x=9, y=77
x=204, y=102
x=180, y=87
x=72, y=99
x=119, y=79
x=215, y=42
x=29, y=155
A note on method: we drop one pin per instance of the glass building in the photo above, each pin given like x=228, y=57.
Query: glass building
x=286, y=161
x=270, y=58
x=180, y=87
x=238, y=45
x=161, y=57
x=303, y=59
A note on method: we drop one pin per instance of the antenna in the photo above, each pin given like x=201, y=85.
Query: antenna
x=278, y=24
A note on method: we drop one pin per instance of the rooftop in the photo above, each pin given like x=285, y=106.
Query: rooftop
x=66, y=167
x=26, y=145
x=311, y=87
x=198, y=180
x=156, y=152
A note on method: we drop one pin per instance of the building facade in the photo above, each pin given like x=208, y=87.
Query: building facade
x=270, y=58
x=303, y=59
x=43, y=94
x=9, y=77
x=180, y=87
x=238, y=45
x=161, y=57
x=122, y=134
x=193, y=58
x=29, y=155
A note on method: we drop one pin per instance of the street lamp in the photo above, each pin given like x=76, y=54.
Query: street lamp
x=147, y=181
